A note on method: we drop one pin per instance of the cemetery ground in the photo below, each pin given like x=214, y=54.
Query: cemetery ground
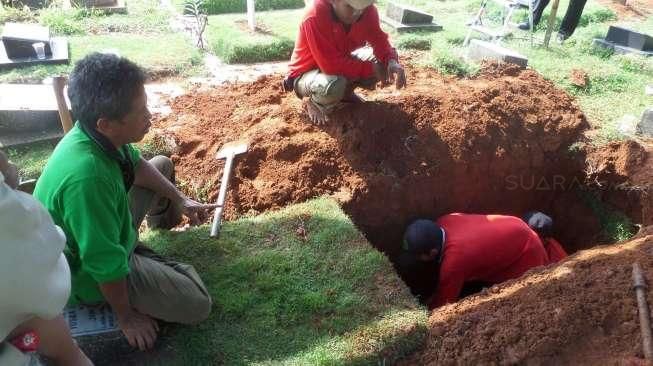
x=296, y=282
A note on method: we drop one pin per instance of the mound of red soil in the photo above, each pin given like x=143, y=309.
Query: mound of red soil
x=487, y=144
x=581, y=312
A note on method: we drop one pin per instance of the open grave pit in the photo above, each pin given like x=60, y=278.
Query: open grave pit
x=506, y=141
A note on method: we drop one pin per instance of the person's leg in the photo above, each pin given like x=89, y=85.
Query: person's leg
x=166, y=290
x=324, y=93
x=161, y=213
x=55, y=341
x=572, y=17
x=538, y=9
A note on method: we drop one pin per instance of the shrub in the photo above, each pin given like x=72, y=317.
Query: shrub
x=63, y=22
x=414, y=42
x=449, y=64
x=240, y=6
x=18, y=15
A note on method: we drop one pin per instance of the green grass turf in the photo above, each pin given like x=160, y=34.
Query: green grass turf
x=143, y=35
x=230, y=39
x=300, y=286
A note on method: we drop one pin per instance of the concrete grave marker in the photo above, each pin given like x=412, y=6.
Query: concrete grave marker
x=645, y=125
x=29, y=44
x=623, y=40
x=28, y=113
x=481, y=50
x=402, y=19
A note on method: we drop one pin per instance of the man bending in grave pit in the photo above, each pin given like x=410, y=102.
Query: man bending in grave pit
x=469, y=248
x=323, y=68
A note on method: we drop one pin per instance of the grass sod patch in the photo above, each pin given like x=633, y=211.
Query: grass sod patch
x=326, y=298
x=230, y=39
x=178, y=57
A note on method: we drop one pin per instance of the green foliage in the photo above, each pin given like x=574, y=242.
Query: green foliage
x=600, y=15
x=63, y=22
x=235, y=53
x=16, y=14
x=615, y=225
x=31, y=159
x=240, y=6
x=179, y=57
x=449, y=64
x=230, y=39
x=413, y=42
x=635, y=63
x=294, y=287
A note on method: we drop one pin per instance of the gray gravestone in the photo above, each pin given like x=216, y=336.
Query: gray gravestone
x=645, y=125
x=624, y=41
x=629, y=38
x=402, y=18
x=405, y=15
x=481, y=50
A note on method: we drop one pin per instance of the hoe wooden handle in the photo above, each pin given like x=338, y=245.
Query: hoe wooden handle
x=58, y=84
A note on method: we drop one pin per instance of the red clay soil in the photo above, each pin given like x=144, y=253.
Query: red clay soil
x=582, y=312
x=487, y=144
x=626, y=9
x=579, y=78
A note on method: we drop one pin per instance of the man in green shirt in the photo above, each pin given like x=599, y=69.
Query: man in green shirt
x=98, y=189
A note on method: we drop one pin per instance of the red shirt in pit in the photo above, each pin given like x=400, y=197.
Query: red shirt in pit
x=323, y=43
x=489, y=249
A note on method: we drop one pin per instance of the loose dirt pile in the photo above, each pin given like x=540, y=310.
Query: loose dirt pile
x=488, y=144
x=582, y=312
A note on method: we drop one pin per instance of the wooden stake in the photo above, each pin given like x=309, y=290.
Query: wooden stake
x=639, y=284
x=552, y=20
x=58, y=84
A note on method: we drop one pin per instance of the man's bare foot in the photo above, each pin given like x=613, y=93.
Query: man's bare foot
x=315, y=113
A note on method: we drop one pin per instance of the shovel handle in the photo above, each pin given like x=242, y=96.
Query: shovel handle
x=222, y=195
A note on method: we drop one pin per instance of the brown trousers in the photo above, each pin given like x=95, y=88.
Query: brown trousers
x=159, y=287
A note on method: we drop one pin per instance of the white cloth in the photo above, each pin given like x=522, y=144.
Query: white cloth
x=34, y=273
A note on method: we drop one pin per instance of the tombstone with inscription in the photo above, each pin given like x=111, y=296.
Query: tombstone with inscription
x=623, y=40
x=26, y=44
x=403, y=19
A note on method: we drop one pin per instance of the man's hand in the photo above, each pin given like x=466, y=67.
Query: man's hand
x=139, y=329
x=380, y=73
x=396, y=74
x=195, y=211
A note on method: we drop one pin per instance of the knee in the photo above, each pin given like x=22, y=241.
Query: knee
x=198, y=308
x=322, y=88
x=164, y=165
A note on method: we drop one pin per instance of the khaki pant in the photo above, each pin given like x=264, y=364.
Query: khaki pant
x=327, y=91
x=162, y=288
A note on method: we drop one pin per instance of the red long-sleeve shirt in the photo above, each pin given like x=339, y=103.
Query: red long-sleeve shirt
x=323, y=43
x=486, y=248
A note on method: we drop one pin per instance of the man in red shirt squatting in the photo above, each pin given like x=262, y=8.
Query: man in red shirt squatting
x=322, y=67
x=476, y=248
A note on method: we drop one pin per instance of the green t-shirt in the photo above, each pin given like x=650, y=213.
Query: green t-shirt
x=83, y=189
